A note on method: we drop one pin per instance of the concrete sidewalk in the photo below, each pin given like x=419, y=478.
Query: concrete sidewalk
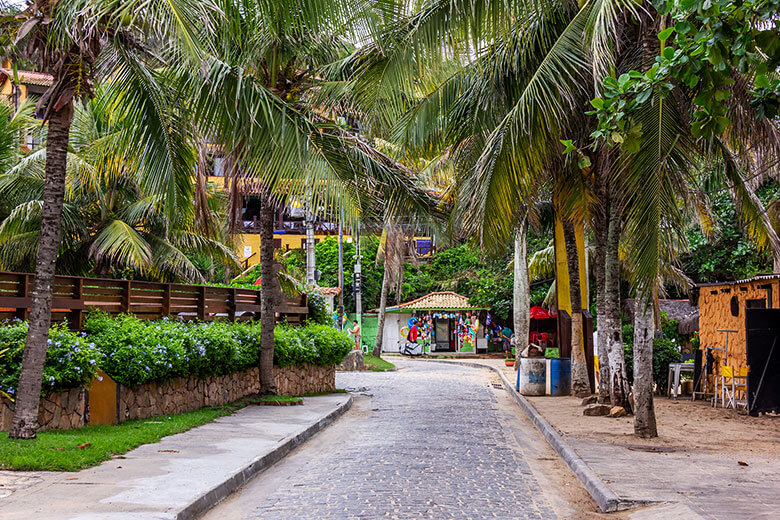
x=181, y=476
x=685, y=482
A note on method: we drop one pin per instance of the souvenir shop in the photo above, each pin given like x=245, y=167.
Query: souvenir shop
x=445, y=322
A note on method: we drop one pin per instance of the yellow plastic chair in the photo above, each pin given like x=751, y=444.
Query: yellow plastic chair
x=733, y=387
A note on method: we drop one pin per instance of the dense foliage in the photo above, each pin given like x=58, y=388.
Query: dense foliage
x=71, y=358
x=666, y=349
x=134, y=351
x=462, y=268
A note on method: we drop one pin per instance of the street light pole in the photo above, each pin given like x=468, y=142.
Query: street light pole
x=358, y=281
x=341, y=270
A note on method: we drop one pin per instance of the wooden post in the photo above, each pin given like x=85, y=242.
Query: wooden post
x=166, y=303
x=77, y=315
x=124, y=306
x=23, y=292
x=202, y=303
x=232, y=304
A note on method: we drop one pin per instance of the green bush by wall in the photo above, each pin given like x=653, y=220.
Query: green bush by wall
x=134, y=351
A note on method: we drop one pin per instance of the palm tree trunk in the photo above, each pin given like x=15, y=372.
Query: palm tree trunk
x=613, y=330
x=644, y=412
x=579, y=371
x=25, y=422
x=600, y=224
x=522, y=292
x=268, y=295
x=380, y=323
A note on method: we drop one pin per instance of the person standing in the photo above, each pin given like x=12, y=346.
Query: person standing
x=506, y=334
x=355, y=330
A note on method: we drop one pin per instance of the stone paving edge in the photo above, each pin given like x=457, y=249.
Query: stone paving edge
x=604, y=497
x=223, y=490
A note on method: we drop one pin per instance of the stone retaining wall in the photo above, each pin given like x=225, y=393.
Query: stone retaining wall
x=58, y=411
x=70, y=408
x=304, y=379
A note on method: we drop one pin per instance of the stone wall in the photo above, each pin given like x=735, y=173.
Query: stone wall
x=304, y=379
x=58, y=411
x=185, y=394
x=70, y=408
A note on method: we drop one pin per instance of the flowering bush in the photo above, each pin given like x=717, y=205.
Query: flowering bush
x=71, y=359
x=134, y=351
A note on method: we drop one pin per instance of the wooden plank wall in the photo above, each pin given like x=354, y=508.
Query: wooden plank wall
x=74, y=295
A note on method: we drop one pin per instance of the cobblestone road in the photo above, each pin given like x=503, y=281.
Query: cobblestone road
x=431, y=446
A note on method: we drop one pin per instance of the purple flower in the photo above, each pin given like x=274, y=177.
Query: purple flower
x=99, y=378
x=48, y=342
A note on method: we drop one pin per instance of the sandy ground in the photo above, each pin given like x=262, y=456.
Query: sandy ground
x=681, y=423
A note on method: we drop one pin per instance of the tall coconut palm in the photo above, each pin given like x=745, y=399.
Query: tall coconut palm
x=273, y=54
x=75, y=41
x=524, y=75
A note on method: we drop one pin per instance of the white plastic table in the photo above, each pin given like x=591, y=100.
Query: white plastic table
x=676, y=369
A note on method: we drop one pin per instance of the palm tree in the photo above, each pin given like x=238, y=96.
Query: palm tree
x=274, y=54
x=76, y=41
x=518, y=79
x=109, y=223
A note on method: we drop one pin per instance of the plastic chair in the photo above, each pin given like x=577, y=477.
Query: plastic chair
x=733, y=387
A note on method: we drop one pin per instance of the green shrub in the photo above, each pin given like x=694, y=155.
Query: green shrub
x=134, y=351
x=318, y=307
x=71, y=359
x=313, y=344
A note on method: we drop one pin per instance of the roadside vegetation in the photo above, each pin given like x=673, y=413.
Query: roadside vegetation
x=72, y=450
x=133, y=351
x=377, y=364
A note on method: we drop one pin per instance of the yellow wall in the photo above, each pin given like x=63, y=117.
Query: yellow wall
x=562, y=268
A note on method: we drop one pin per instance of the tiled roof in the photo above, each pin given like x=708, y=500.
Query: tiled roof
x=445, y=300
x=330, y=290
x=29, y=77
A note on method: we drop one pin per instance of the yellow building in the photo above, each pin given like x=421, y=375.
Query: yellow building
x=14, y=93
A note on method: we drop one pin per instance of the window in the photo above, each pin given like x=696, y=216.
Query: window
x=734, y=306
x=758, y=303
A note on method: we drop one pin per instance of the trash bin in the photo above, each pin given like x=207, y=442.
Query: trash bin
x=532, y=376
x=560, y=376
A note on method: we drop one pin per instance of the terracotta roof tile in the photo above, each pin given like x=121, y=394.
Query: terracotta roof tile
x=445, y=300
x=30, y=77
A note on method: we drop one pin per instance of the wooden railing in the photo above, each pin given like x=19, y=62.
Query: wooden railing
x=74, y=295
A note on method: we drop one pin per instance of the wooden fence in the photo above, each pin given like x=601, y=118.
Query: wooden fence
x=74, y=295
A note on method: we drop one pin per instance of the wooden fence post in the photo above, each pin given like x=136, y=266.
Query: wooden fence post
x=23, y=292
x=166, y=304
x=77, y=315
x=124, y=305
x=232, y=304
x=202, y=303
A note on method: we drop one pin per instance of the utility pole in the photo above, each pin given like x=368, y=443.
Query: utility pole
x=358, y=281
x=340, y=311
x=310, y=257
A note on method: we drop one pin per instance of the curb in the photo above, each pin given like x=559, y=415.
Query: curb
x=221, y=491
x=604, y=497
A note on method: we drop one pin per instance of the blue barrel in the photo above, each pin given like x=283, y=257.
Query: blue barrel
x=560, y=376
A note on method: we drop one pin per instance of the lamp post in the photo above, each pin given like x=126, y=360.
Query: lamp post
x=340, y=311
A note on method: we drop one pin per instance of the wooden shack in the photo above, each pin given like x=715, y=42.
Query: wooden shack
x=722, y=307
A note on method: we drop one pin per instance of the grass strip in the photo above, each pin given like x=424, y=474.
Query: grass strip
x=72, y=450
x=376, y=364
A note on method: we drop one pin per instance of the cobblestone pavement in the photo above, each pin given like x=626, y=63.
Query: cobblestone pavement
x=432, y=446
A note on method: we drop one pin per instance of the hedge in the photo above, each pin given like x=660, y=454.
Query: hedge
x=134, y=351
